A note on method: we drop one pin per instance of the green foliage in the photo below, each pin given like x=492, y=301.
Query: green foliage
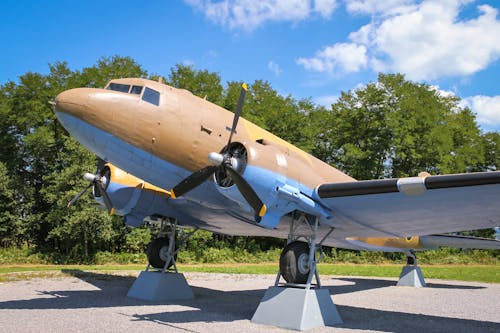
x=137, y=240
x=201, y=83
x=11, y=229
x=45, y=165
x=20, y=255
x=121, y=258
x=397, y=128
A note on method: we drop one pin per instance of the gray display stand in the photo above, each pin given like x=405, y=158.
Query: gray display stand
x=411, y=276
x=159, y=286
x=297, y=308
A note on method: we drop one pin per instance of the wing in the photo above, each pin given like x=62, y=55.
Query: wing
x=414, y=206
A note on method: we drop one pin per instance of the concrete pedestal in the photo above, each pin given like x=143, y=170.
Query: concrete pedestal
x=297, y=308
x=157, y=286
x=411, y=276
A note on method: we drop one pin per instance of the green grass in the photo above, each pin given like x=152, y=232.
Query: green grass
x=478, y=273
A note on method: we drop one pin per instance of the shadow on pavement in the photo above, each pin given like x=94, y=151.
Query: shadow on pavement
x=358, y=284
x=400, y=322
x=211, y=305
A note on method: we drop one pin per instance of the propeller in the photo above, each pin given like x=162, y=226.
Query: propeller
x=226, y=163
x=99, y=181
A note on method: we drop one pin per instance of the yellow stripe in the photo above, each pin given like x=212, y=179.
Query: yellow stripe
x=112, y=211
x=262, y=210
x=172, y=194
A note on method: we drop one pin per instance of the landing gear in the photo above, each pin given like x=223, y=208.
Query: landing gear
x=299, y=304
x=162, y=251
x=159, y=282
x=159, y=252
x=298, y=259
x=294, y=263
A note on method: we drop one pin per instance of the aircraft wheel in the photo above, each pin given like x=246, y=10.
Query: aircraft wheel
x=157, y=253
x=294, y=263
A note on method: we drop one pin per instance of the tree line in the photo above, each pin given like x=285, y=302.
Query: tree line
x=390, y=128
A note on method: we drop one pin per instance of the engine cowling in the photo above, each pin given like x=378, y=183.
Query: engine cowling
x=131, y=197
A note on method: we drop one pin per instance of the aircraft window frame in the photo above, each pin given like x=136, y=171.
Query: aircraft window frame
x=136, y=90
x=120, y=87
x=151, y=96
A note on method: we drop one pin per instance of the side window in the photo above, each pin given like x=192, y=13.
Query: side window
x=151, y=96
x=136, y=90
x=119, y=87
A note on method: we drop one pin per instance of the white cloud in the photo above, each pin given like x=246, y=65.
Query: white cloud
x=274, y=68
x=372, y=7
x=443, y=93
x=425, y=40
x=250, y=14
x=345, y=57
x=325, y=7
x=487, y=109
x=430, y=42
x=326, y=101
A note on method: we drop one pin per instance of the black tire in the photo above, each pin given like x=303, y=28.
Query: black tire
x=292, y=261
x=157, y=251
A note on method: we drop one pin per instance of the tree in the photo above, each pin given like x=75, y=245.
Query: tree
x=491, y=149
x=44, y=161
x=11, y=229
x=108, y=68
x=278, y=114
x=397, y=128
x=81, y=230
x=201, y=83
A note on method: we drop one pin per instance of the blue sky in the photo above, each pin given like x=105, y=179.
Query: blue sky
x=306, y=48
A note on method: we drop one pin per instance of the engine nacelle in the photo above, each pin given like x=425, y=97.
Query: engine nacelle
x=132, y=197
x=265, y=165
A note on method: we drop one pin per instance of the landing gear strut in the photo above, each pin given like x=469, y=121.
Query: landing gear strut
x=159, y=282
x=298, y=263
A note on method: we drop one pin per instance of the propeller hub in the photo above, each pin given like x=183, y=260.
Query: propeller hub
x=89, y=177
x=215, y=158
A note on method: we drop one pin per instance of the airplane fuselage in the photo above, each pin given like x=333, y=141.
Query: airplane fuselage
x=162, y=134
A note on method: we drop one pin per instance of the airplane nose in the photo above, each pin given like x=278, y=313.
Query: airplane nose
x=73, y=102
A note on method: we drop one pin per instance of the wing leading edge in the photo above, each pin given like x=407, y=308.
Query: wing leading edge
x=414, y=206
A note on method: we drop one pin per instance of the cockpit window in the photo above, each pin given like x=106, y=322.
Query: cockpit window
x=151, y=96
x=119, y=87
x=136, y=90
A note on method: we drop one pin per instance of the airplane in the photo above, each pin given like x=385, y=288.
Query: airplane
x=171, y=154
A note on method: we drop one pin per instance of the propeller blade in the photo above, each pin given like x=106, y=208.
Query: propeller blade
x=248, y=193
x=237, y=111
x=192, y=181
x=105, y=196
x=76, y=197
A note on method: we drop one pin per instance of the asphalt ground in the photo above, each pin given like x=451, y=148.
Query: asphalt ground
x=97, y=302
